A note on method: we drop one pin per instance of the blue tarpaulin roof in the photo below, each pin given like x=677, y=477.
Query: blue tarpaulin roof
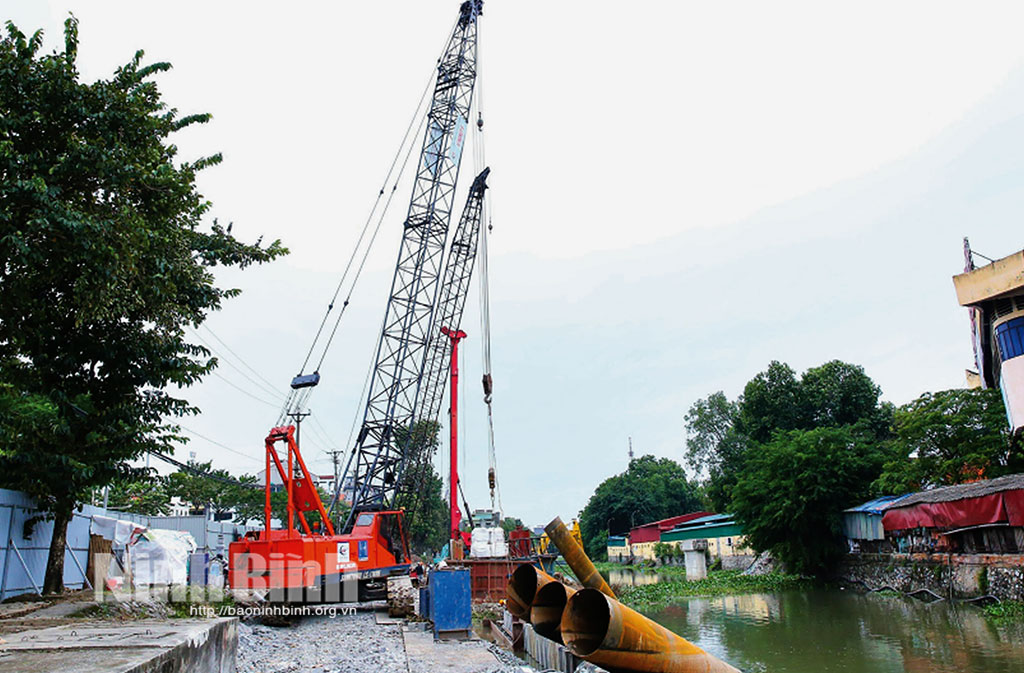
x=878, y=505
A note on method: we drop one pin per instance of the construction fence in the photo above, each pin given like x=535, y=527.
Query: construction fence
x=25, y=541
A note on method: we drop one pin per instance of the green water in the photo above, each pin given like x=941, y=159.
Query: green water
x=812, y=631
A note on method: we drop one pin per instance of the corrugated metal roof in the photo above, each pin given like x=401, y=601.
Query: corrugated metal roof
x=878, y=505
x=975, y=489
x=710, y=520
x=713, y=529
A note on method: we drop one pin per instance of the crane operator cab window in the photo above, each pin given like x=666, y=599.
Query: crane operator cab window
x=391, y=538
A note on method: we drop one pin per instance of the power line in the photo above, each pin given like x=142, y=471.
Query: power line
x=266, y=388
x=200, y=473
x=240, y=359
x=244, y=391
x=223, y=446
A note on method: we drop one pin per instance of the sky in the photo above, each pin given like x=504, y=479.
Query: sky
x=679, y=196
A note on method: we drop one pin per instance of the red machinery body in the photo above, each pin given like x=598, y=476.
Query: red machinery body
x=307, y=565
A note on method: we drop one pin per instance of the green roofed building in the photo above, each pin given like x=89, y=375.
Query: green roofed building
x=618, y=548
x=724, y=537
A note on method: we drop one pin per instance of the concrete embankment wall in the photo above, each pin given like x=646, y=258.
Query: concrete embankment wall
x=949, y=575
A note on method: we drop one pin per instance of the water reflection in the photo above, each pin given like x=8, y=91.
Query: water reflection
x=837, y=631
x=629, y=577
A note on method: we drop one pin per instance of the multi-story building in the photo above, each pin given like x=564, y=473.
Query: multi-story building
x=994, y=297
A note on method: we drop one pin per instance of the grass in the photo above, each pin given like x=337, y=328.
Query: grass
x=717, y=583
x=1007, y=612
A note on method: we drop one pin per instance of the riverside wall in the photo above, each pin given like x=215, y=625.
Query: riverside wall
x=948, y=575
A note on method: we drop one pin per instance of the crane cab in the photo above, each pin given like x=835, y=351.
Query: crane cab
x=299, y=564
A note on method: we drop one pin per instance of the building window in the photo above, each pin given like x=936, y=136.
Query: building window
x=1010, y=336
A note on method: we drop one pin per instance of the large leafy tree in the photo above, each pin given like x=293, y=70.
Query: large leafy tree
x=105, y=257
x=715, y=448
x=949, y=437
x=772, y=400
x=651, y=489
x=792, y=492
x=721, y=435
x=427, y=514
x=201, y=487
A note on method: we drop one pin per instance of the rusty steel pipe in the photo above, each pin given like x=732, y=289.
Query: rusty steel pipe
x=577, y=559
x=607, y=633
x=522, y=587
x=547, y=609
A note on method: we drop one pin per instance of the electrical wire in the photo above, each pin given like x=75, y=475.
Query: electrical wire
x=223, y=446
x=264, y=388
x=242, y=360
x=200, y=473
x=244, y=391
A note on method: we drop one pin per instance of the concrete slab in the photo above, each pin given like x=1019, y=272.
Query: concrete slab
x=203, y=646
x=427, y=655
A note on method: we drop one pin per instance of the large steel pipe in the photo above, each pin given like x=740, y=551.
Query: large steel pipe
x=577, y=559
x=522, y=588
x=607, y=633
x=547, y=609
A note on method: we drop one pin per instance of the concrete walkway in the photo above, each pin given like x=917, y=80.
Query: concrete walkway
x=427, y=655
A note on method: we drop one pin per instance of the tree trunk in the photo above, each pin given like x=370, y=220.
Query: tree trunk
x=54, y=582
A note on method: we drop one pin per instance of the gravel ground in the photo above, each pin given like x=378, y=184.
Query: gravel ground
x=344, y=644
x=350, y=643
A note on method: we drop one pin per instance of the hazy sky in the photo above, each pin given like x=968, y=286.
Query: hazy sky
x=682, y=192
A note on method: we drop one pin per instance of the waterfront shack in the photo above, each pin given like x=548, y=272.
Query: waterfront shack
x=980, y=517
x=862, y=525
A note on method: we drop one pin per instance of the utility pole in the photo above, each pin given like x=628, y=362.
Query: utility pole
x=298, y=416
x=631, y=449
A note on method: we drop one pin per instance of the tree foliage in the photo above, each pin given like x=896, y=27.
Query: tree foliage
x=104, y=258
x=949, y=437
x=792, y=492
x=715, y=447
x=511, y=523
x=420, y=492
x=147, y=495
x=651, y=489
x=720, y=434
x=200, y=492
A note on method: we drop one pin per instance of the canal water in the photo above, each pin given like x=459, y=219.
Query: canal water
x=818, y=630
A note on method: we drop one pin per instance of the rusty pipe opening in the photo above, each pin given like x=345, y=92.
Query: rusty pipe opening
x=522, y=587
x=548, y=606
x=585, y=622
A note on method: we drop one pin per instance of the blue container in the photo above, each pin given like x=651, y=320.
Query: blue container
x=425, y=602
x=450, y=607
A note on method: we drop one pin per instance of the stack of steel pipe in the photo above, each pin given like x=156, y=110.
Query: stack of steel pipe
x=593, y=625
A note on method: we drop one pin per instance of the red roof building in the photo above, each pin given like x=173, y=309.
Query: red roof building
x=651, y=532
